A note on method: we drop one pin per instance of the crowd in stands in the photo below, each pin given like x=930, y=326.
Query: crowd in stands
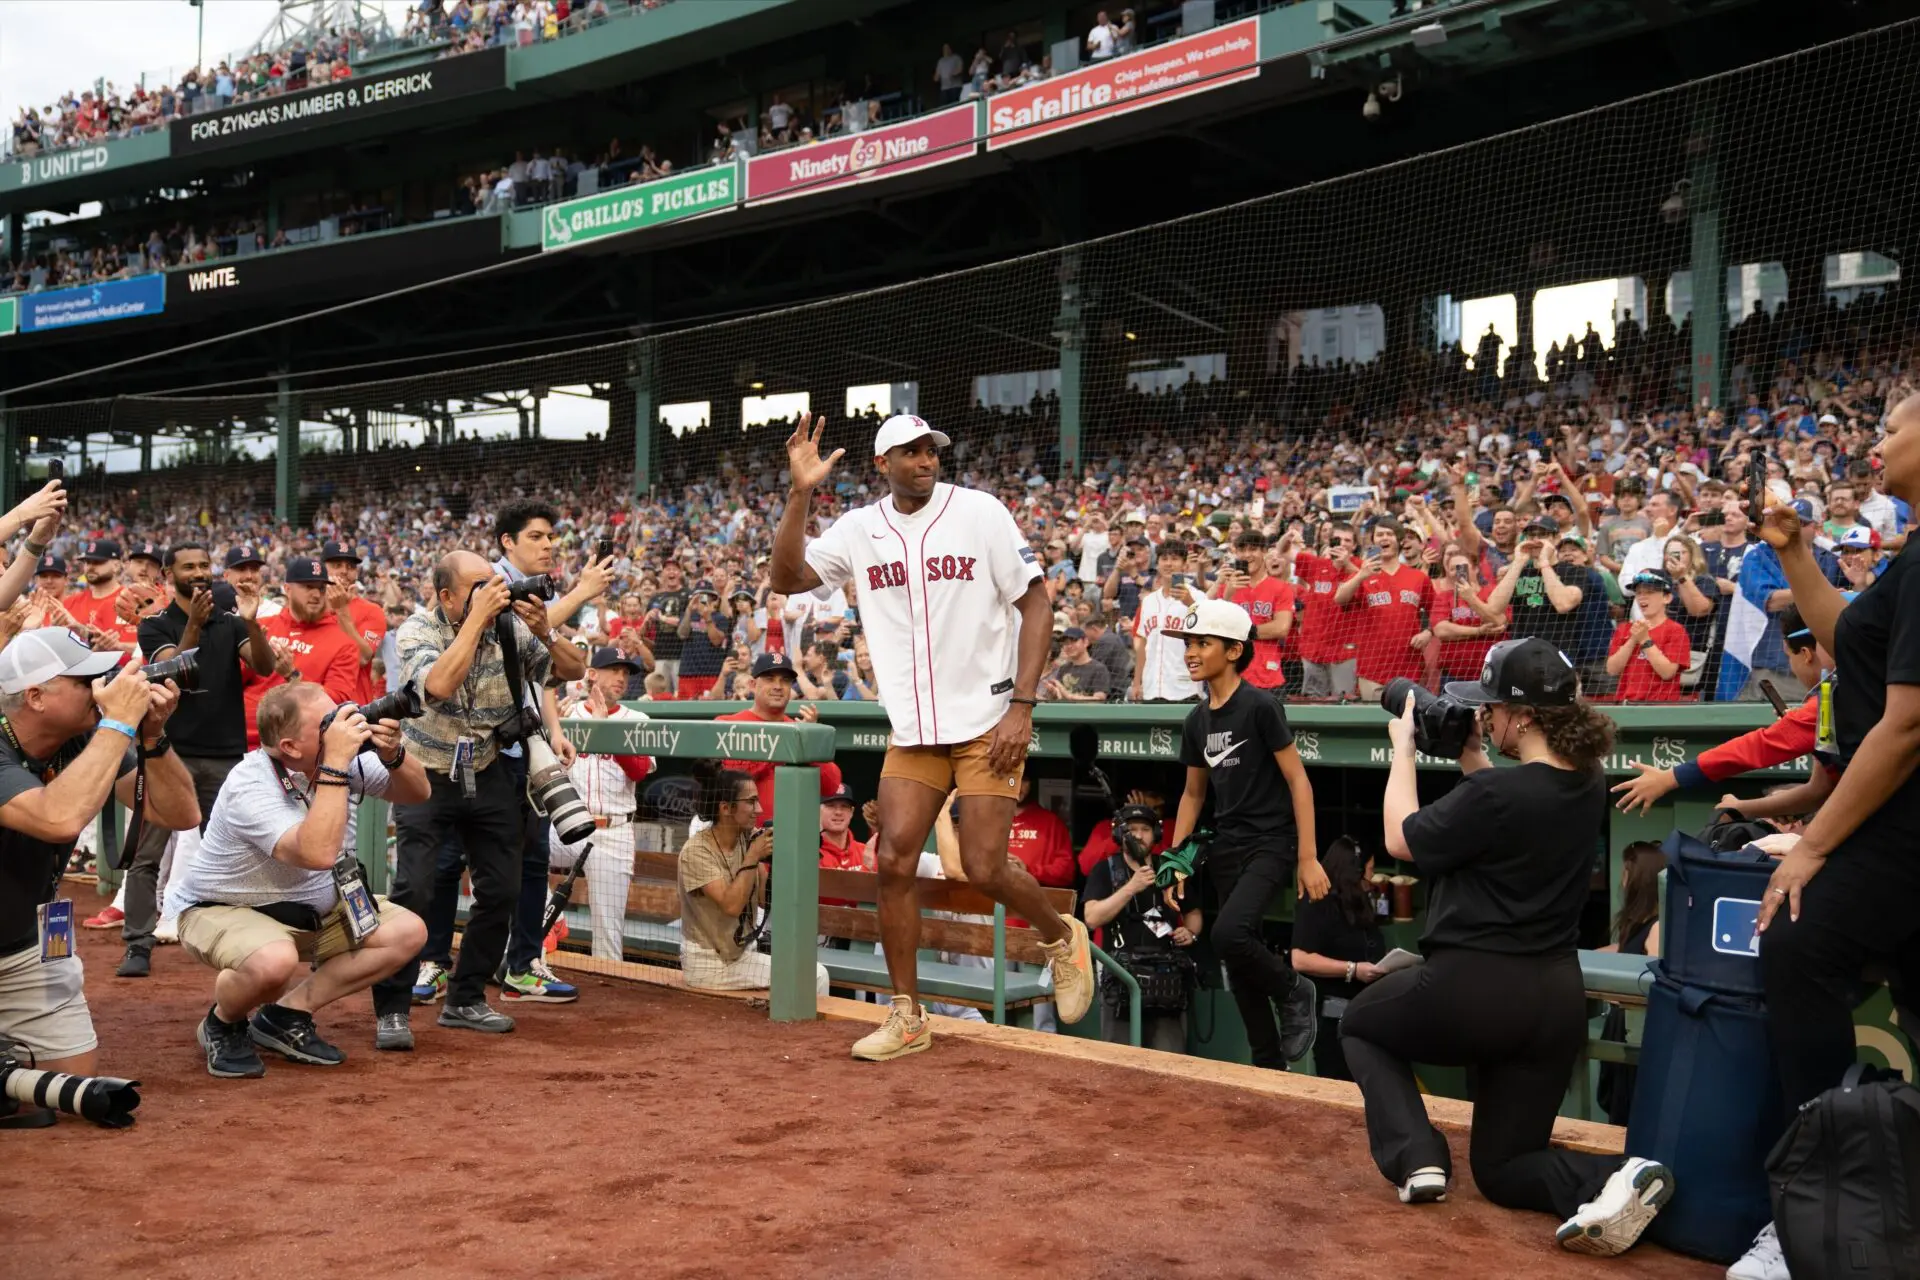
x=1500, y=491
x=80, y=119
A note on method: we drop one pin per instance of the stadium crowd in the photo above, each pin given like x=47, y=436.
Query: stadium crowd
x=1518, y=507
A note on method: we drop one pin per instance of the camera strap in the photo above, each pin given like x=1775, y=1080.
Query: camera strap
x=510, y=663
x=137, y=819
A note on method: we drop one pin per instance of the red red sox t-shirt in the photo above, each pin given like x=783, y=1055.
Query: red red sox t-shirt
x=1264, y=601
x=1326, y=630
x=1391, y=605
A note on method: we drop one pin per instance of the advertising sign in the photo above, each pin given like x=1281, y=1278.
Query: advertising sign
x=886, y=152
x=9, y=315
x=1192, y=64
x=18, y=173
x=343, y=100
x=93, y=303
x=365, y=264
x=649, y=204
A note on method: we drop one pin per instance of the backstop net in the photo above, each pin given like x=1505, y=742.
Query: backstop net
x=1434, y=354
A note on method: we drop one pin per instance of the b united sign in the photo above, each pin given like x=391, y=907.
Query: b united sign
x=886, y=152
x=1194, y=64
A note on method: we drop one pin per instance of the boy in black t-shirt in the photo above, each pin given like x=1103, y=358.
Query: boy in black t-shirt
x=1237, y=746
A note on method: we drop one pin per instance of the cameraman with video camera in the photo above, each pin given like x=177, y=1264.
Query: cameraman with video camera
x=275, y=887
x=453, y=655
x=209, y=732
x=1144, y=934
x=66, y=734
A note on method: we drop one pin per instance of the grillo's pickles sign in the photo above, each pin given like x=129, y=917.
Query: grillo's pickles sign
x=649, y=204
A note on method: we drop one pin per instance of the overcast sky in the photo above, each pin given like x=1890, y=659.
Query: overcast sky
x=49, y=46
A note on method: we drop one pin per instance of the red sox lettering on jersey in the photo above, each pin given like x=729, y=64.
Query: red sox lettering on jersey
x=938, y=569
x=937, y=589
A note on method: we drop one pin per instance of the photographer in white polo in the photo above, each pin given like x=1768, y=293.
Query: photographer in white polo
x=275, y=889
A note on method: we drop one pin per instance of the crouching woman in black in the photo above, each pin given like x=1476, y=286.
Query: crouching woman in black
x=1507, y=856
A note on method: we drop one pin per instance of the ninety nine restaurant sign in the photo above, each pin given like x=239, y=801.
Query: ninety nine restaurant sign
x=1193, y=64
x=650, y=204
x=886, y=152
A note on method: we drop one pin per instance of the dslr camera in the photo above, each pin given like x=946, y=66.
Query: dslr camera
x=1441, y=723
x=538, y=587
x=403, y=703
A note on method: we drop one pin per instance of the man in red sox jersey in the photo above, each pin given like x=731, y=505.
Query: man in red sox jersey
x=958, y=623
x=1392, y=597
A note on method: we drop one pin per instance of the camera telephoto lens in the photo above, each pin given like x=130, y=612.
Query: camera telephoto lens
x=1441, y=723
x=538, y=586
x=183, y=668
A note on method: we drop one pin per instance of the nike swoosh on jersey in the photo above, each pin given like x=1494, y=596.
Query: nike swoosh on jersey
x=1215, y=761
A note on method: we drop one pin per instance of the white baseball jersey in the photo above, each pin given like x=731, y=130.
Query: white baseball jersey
x=1163, y=671
x=936, y=592
x=603, y=785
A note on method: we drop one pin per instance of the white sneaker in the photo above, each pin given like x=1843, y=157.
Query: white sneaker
x=1424, y=1186
x=1763, y=1261
x=1611, y=1222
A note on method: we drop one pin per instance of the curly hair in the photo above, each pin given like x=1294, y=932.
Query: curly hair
x=1578, y=734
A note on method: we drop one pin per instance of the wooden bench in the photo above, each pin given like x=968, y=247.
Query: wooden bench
x=653, y=898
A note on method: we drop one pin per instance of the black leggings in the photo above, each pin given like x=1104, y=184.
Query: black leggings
x=1518, y=1024
x=1245, y=883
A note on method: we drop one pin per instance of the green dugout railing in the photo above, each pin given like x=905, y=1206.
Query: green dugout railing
x=796, y=750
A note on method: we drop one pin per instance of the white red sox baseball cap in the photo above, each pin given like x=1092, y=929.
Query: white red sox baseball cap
x=905, y=428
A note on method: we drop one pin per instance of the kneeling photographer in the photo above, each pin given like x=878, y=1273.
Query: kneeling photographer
x=1508, y=856
x=275, y=887
x=66, y=738
x=1144, y=934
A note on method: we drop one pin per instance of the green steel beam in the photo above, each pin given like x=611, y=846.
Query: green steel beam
x=791, y=996
x=286, y=458
x=1705, y=263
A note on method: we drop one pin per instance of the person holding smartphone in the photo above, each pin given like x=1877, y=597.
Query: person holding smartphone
x=1159, y=655
x=1393, y=597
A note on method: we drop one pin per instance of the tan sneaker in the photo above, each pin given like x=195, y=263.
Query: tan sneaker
x=905, y=1031
x=1072, y=973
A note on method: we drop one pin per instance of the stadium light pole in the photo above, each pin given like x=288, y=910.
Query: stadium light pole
x=200, y=38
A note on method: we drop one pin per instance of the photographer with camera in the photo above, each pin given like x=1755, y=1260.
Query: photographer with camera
x=275, y=887
x=209, y=732
x=454, y=656
x=1144, y=934
x=723, y=873
x=523, y=533
x=1508, y=857
x=65, y=738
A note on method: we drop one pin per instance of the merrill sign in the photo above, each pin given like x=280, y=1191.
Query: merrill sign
x=1191, y=65
x=940, y=138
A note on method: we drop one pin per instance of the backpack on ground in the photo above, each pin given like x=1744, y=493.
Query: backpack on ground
x=1845, y=1181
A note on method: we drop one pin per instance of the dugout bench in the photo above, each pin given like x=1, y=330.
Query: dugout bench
x=956, y=919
